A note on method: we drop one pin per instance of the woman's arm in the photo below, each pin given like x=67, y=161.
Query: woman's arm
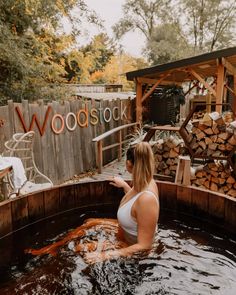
x=147, y=214
x=119, y=182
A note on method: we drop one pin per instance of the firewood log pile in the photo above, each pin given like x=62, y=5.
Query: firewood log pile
x=216, y=176
x=166, y=152
x=213, y=135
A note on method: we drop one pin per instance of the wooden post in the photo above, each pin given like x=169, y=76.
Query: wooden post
x=208, y=101
x=99, y=156
x=139, y=102
x=120, y=145
x=183, y=171
x=220, y=87
x=234, y=101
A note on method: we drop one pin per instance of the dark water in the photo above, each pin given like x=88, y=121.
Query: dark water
x=190, y=258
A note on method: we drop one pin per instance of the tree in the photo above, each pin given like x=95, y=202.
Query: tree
x=209, y=24
x=82, y=63
x=141, y=15
x=167, y=44
x=114, y=71
x=102, y=48
x=31, y=48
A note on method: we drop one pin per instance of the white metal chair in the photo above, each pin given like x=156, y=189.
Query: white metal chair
x=21, y=146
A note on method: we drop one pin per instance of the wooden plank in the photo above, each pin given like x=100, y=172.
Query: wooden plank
x=82, y=194
x=66, y=141
x=67, y=197
x=49, y=151
x=138, y=100
x=229, y=67
x=179, y=172
x=220, y=87
x=110, y=132
x=89, y=138
x=230, y=211
x=158, y=82
x=200, y=202
x=62, y=147
x=94, y=130
x=166, y=128
x=112, y=105
x=5, y=218
x=37, y=147
x=200, y=79
x=11, y=113
x=18, y=128
x=216, y=205
x=36, y=206
x=5, y=127
x=234, y=101
x=76, y=141
x=52, y=202
x=184, y=199
x=99, y=156
x=83, y=138
x=168, y=195
x=19, y=209
x=153, y=81
x=186, y=174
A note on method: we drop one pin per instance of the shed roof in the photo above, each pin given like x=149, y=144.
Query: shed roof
x=107, y=95
x=204, y=64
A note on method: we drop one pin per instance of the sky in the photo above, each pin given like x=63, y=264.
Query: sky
x=111, y=11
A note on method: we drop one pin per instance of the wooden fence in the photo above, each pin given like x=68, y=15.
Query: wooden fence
x=63, y=145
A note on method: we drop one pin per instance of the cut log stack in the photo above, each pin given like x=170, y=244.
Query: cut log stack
x=215, y=176
x=198, y=115
x=166, y=152
x=213, y=135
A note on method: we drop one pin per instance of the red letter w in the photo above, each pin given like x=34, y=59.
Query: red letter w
x=34, y=119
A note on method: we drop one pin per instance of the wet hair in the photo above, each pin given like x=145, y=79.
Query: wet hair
x=143, y=161
x=130, y=154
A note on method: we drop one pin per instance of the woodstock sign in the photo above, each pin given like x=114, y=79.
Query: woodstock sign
x=71, y=120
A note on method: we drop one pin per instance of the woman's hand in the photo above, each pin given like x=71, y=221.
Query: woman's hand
x=94, y=257
x=119, y=182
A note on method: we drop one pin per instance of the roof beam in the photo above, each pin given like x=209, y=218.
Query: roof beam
x=153, y=81
x=200, y=79
x=229, y=67
x=158, y=82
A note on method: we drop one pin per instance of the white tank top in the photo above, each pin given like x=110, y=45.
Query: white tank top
x=125, y=219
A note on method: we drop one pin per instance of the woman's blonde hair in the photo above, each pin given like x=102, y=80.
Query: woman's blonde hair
x=143, y=166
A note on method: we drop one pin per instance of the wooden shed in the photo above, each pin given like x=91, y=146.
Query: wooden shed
x=218, y=65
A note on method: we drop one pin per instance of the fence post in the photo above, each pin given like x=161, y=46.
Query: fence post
x=120, y=145
x=99, y=156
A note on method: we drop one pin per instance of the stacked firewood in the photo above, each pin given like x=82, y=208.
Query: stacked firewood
x=166, y=152
x=213, y=135
x=198, y=115
x=216, y=176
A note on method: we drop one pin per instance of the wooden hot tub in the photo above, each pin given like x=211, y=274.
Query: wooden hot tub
x=20, y=212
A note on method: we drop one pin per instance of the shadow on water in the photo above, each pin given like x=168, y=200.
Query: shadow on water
x=190, y=258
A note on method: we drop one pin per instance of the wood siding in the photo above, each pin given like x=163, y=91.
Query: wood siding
x=61, y=156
